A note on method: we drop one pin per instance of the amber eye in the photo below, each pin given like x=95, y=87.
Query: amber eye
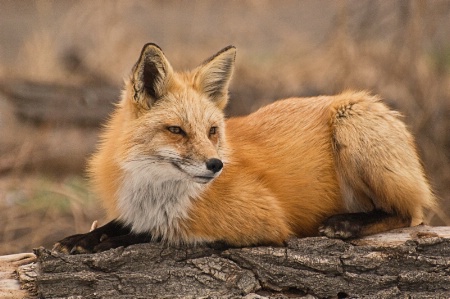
x=213, y=131
x=175, y=130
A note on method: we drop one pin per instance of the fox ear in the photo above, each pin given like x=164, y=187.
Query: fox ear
x=214, y=75
x=150, y=76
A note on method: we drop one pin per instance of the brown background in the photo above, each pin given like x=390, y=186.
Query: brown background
x=53, y=50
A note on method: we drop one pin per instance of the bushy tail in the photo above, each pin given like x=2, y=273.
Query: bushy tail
x=377, y=163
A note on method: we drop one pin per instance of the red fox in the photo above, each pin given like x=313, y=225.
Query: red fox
x=170, y=167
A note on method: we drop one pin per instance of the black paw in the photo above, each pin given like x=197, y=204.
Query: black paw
x=78, y=244
x=342, y=226
x=112, y=235
x=219, y=245
x=122, y=241
x=100, y=239
x=355, y=225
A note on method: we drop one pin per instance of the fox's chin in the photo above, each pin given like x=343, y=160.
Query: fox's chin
x=203, y=179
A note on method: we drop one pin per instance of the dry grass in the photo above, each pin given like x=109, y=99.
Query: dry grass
x=399, y=49
x=41, y=210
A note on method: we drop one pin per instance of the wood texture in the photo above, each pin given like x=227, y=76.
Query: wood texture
x=412, y=262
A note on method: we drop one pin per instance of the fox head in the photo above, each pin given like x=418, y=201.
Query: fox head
x=174, y=125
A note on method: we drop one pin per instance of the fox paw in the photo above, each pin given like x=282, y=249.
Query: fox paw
x=94, y=242
x=341, y=226
x=112, y=235
x=78, y=244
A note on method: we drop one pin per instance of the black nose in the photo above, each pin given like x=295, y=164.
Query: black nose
x=215, y=165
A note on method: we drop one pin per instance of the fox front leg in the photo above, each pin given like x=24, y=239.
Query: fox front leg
x=112, y=235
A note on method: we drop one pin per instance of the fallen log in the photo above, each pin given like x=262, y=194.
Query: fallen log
x=53, y=103
x=412, y=262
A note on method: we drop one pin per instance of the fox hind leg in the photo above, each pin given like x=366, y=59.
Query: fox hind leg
x=380, y=175
x=353, y=225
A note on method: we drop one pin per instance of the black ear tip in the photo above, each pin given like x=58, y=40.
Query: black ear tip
x=151, y=45
x=148, y=46
x=228, y=48
x=231, y=49
x=145, y=49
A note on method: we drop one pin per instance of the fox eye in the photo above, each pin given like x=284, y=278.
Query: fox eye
x=213, y=131
x=175, y=130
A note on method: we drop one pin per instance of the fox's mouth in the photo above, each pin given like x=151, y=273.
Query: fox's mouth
x=202, y=179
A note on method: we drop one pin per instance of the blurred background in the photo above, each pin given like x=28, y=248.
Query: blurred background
x=62, y=64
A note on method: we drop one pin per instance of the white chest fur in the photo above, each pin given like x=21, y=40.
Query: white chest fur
x=152, y=201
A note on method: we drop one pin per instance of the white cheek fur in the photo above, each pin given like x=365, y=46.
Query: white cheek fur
x=155, y=197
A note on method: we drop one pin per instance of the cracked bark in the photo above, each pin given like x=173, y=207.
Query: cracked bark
x=412, y=262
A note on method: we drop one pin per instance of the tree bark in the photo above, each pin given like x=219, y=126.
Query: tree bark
x=412, y=262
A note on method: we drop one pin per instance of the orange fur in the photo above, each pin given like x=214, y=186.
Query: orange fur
x=287, y=167
x=279, y=181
